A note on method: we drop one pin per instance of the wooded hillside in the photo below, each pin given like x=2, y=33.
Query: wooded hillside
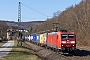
x=3, y=29
x=75, y=18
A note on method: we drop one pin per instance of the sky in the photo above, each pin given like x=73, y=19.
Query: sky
x=9, y=9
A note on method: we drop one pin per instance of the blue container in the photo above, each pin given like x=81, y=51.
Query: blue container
x=36, y=38
x=26, y=37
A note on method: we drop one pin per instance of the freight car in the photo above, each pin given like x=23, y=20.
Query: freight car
x=43, y=38
x=36, y=38
x=59, y=41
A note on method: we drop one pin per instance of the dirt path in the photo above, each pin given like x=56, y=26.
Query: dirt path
x=47, y=54
x=6, y=48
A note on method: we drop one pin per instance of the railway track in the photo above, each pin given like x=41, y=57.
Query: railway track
x=48, y=54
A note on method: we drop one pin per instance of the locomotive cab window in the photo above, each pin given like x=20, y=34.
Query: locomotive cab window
x=64, y=36
x=70, y=36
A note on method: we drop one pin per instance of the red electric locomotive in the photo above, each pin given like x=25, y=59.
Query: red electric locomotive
x=62, y=41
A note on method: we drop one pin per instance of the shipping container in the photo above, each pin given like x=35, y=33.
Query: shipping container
x=36, y=38
x=26, y=38
x=43, y=38
x=31, y=38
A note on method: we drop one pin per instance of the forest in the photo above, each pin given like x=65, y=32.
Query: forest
x=75, y=18
x=3, y=29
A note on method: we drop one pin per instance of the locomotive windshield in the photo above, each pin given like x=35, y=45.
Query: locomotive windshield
x=70, y=36
x=64, y=35
x=67, y=36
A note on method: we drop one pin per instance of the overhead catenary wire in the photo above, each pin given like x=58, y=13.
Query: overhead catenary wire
x=35, y=10
x=32, y=18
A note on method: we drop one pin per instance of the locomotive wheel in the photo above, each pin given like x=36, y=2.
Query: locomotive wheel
x=53, y=49
x=57, y=51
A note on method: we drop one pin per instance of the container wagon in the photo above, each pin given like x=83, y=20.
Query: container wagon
x=43, y=38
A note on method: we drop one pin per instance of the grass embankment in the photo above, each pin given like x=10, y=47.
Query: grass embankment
x=20, y=53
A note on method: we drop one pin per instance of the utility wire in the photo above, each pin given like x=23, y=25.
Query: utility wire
x=33, y=18
x=34, y=9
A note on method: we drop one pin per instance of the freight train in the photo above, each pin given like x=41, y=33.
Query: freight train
x=61, y=41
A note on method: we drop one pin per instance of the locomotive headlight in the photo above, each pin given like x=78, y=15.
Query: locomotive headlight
x=62, y=45
x=73, y=45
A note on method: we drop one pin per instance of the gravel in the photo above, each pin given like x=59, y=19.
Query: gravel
x=48, y=54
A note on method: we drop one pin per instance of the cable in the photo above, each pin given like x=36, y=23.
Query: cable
x=34, y=10
x=33, y=18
